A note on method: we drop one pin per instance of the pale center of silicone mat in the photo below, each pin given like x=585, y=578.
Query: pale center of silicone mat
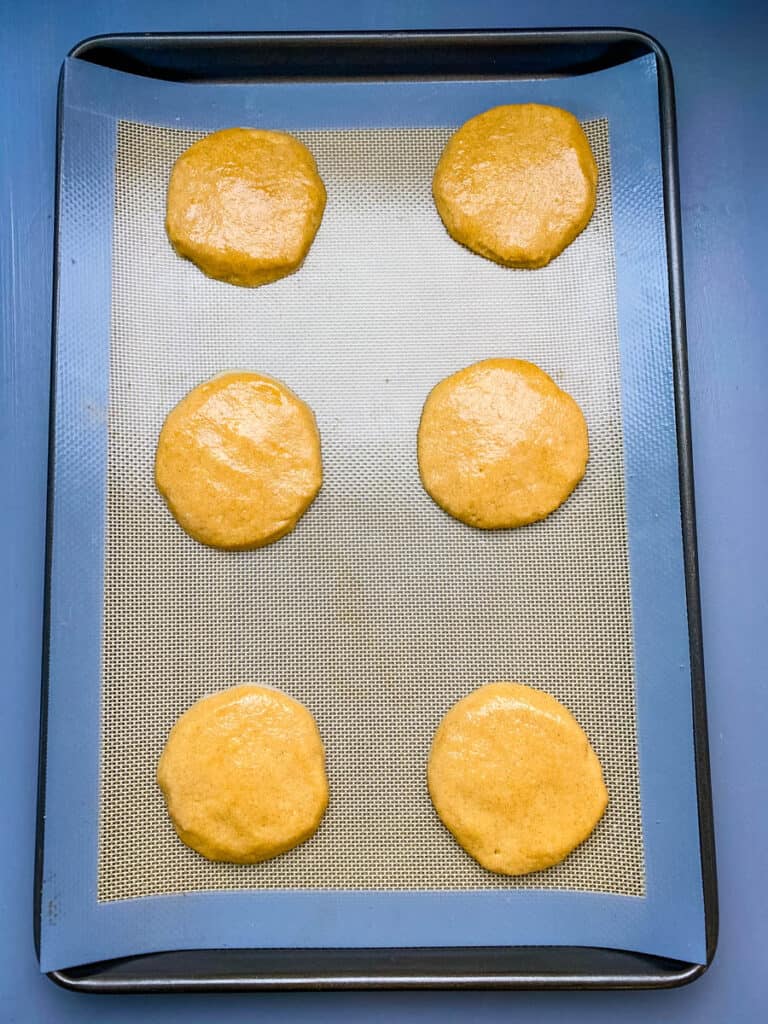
x=379, y=611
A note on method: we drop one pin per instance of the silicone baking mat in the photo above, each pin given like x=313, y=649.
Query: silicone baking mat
x=379, y=611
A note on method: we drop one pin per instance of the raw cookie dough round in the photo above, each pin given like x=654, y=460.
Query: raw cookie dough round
x=244, y=204
x=243, y=775
x=514, y=779
x=499, y=444
x=517, y=184
x=238, y=461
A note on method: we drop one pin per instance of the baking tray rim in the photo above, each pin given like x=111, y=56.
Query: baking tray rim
x=422, y=967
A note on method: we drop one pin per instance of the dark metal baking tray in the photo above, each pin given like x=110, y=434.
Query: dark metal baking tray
x=425, y=55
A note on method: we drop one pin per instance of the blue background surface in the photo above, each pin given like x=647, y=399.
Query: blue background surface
x=721, y=87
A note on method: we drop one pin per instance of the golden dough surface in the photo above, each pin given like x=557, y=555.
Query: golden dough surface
x=513, y=777
x=244, y=204
x=500, y=444
x=517, y=183
x=243, y=775
x=238, y=461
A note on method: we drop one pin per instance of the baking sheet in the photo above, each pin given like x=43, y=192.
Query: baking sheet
x=555, y=653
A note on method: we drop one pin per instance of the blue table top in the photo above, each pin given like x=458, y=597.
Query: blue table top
x=721, y=92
